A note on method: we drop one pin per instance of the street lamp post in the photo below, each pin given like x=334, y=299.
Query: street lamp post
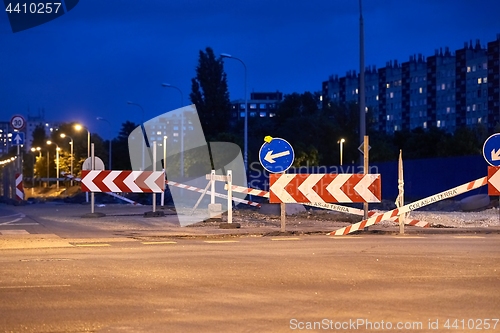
x=79, y=127
x=110, y=147
x=57, y=162
x=341, y=142
x=142, y=127
x=39, y=150
x=71, y=153
x=245, y=135
x=168, y=85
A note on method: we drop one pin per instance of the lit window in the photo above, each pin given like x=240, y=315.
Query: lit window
x=391, y=94
x=479, y=120
x=388, y=85
x=158, y=133
x=443, y=86
x=485, y=80
x=474, y=68
x=468, y=108
x=262, y=114
x=253, y=106
x=376, y=97
x=448, y=109
x=479, y=80
x=272, y=115
x=473, y=107
x=468, y=69
x=242, y=114
x=424, y=125
x=321, y=98
x=176, y=134
x=438, y=123
x=420, y=90
x=242, y=106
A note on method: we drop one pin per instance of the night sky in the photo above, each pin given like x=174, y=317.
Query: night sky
x=92, y=60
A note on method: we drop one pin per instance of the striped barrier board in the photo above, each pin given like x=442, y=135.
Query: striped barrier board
x=412, y=206
x=19, y=187
x=329, y=206
x=329, y=187
x=218, y=195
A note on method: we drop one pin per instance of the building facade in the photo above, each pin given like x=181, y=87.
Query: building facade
x=447, y=90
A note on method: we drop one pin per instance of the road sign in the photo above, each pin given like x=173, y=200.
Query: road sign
x=17, y=122
x=491, y=150
x=276, y=155
x=361, y=148
x=323, y=188
x=19, y=187
x=123, y=181
x=18, y=138
x=493, y=181
x=87, y=164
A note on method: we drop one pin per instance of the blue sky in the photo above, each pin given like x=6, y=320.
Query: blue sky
x=101, y=54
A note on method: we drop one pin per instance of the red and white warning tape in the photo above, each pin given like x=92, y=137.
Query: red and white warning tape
x=199, y=190
x=412, y=206
x=335, y=207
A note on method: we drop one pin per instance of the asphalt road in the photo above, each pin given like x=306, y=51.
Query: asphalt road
x=255, y=284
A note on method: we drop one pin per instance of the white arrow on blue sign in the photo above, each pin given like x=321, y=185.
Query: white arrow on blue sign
x=491, y=150
x=18, y=138
x=276, y=156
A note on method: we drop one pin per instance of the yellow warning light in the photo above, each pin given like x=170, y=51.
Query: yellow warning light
x=268, y=139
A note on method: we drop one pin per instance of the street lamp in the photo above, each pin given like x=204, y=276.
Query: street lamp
x=341, y=142
x=57, y=162
x=71, y=153
x=168, y=85
x=245, y=135
x=142, y=127
x=79, y=127
x=110, y=147
x=39, y=150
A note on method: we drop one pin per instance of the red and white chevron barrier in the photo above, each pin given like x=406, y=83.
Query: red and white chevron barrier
x=329, y=206
x=123, y=181
x=412, y=206
x=19, y=187
x=223, y=196
x=306, y=188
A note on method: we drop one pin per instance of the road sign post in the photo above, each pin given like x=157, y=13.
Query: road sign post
x=276, y=155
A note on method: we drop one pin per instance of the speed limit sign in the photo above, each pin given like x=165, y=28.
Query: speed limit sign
x=17, y=122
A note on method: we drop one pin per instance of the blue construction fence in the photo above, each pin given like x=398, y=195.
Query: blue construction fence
x=422, y=177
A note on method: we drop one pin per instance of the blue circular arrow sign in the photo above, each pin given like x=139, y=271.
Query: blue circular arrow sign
x=491, y=150
x=276, y=156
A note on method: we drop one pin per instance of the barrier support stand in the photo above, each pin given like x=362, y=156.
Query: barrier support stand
x=400, y=199
x=229, y=197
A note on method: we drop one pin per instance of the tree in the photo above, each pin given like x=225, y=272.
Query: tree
x=210, y=94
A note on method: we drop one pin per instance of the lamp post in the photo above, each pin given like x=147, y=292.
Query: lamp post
x=142, y=127
x=57, y=162
x=39, y=150
x=79, y=127
x=48, y=168
x=245, y=131
x=168, y=85
x=110, y=147
x=341, y=142
x=71, y=153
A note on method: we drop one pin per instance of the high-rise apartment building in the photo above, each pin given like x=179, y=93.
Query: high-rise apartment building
x=447, y=90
